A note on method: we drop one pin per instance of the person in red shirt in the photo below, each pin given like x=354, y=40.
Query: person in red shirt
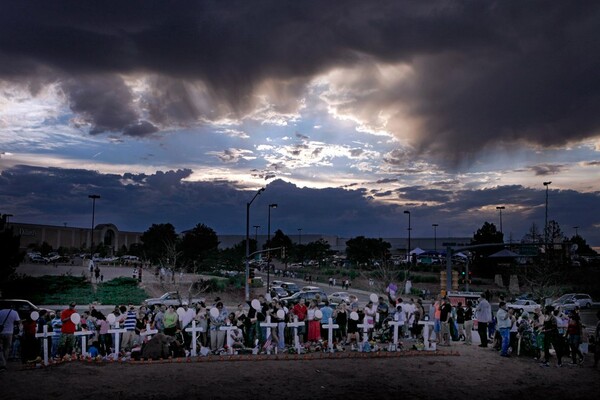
x=67, y=339
x=300, y=310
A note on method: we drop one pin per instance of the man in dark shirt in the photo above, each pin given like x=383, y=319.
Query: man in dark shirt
x=446, y=312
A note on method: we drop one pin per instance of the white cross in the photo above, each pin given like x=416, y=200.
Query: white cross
x=426, y=343
x=194, y=329
x=366, y=326
x=295, y=326
x=330, y=326
x=228, y=329
x=117, y=331
x=268, y=324
x=45, y=335
x=148, y=332
x=83, y=335
x=396, y=324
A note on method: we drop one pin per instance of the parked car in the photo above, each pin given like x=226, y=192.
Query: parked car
x=525, y=305
x=278, y=292
x=172, y=299
x=276, y=283
x=310, y=288
x=23, y=307
x=339, y=297
x=580, y=300
x=290, y=287
x=295, y=298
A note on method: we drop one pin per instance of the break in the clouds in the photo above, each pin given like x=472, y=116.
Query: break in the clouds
x=452, y=79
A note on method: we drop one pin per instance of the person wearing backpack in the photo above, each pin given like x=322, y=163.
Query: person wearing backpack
x=8, y=319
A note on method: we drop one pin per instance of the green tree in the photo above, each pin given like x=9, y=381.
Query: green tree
x=317, y=250
x=583, y=249
x=199, y=245
x=156, y=240
x=279, y=240
x=363, y=250
x=10, y=256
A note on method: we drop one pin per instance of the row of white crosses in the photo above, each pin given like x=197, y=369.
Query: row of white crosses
x=44, y=335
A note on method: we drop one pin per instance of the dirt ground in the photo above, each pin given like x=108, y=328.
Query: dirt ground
x=462, y=372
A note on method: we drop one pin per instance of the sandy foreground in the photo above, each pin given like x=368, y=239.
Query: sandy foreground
x=458, y=372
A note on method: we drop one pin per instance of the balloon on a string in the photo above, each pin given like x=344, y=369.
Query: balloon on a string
x=75, y=318
x=373, y=297
x=256, y=304
x=111, y=318
x=354, y=316
x=214, y=312
x=34, y=315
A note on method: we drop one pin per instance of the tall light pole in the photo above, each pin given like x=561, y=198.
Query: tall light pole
x=299, y=235
x=409, y=229
x=248, y=243
x=93, y=197
x=435, y=237
x=576, y=233
x=547, y=184
x=274, y=205
x=500, y=208
x=7, y=218
x=256, y=233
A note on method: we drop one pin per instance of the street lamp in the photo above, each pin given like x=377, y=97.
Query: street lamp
x=576, y=233
x=248, y=243
x=299, y=235
x=7, y=218
x=274, y=205
x=435, y=237
x=409, y=229
x=256, y=233
x=93, y=197
x=547, y=184
x=500, y=208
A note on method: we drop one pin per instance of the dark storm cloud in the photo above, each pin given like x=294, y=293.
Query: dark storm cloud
x=106, y=103
x=547, y=169
x=484, y=72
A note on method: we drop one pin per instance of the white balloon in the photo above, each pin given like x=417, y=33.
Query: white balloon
x=214, y=312
x=268, y=297
x=111, y=318
x=280, y=314
x=256, y=304
x=180, y=311
x=34, y=315
x=75, y=318
x=373, y=297
x=354, y=316
x=318, y=314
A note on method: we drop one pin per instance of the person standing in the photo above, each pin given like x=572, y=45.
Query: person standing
x=597, y=344
x=504, y=324
x=67, y=330
x=483, y=313
x=460, y=320
x=551, y=337
x=217, y=336
x=445, y=314
x=574, y=330
x=8, y=319
x=468, y=315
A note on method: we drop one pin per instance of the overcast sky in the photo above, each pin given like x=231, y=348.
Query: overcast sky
x=348, y=112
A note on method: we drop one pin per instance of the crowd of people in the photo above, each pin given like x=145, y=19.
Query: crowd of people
x=509, y=331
